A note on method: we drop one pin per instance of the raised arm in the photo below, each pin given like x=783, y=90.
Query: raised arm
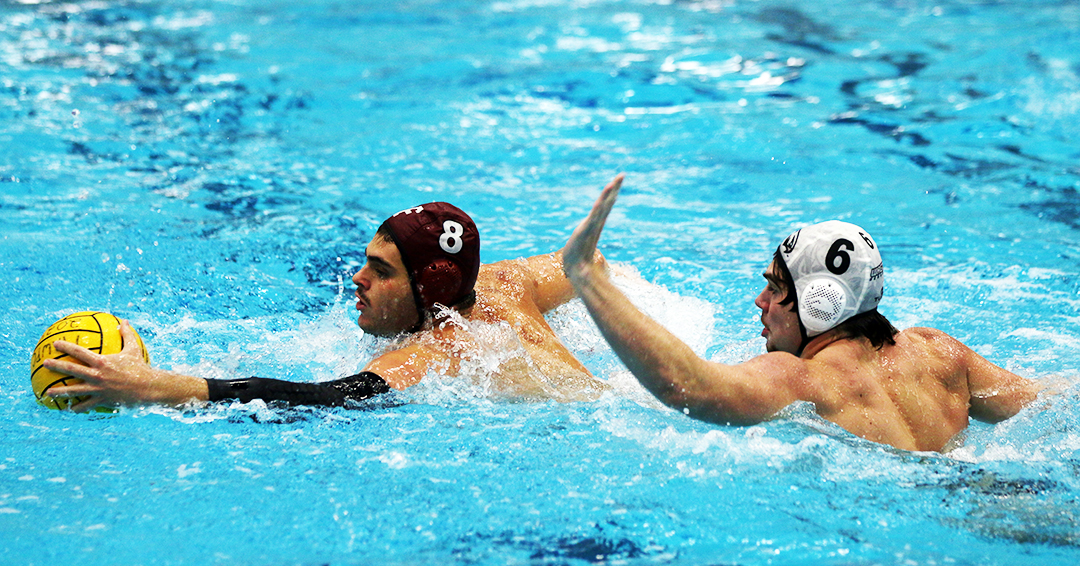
x=741, y=394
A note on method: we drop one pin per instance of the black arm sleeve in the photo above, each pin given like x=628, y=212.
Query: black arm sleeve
x=332, y=393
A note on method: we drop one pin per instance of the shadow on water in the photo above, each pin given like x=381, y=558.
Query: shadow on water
x=574, y=549
x=1023, y=510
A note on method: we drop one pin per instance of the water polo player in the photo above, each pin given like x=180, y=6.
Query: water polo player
x=826, y=343
x=422, y=263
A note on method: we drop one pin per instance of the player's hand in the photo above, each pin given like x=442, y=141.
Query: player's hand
x=113, y=380
x=577, y=256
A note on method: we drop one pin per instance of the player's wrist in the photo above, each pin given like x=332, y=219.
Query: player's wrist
x=170, y=388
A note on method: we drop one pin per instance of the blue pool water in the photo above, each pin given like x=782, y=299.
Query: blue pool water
x=212, y=170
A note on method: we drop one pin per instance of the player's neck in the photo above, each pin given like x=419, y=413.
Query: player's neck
x=819, y=343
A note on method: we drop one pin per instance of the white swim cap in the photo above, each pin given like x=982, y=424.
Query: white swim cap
x=837, y=271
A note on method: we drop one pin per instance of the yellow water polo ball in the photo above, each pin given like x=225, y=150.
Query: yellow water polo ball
x=96, y=331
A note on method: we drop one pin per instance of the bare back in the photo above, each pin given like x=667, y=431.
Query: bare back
x=515, y=294
x=916, y=394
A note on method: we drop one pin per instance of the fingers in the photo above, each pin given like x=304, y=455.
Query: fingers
x=611, y=190
x=73, y=392
x=75, y=351
x=604, y=204
x=70, y=391
x=594, y=224
x=131, y=340
x=70, y=368
x=580, y=249
x=89, y=361
x=86, y=405
x=106, y=379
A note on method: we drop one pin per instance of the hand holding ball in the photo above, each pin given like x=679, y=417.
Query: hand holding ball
x=98, y=332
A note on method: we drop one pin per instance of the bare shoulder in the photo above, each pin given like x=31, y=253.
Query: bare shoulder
x=503, y=280
x=930, y=355
x=539, y=279
x=506, y=270
x=776, y=362
x=745, y=393
x=777, y=371
x=992, y=392
x=931, y=341
x=927, y=334
x=539, y=269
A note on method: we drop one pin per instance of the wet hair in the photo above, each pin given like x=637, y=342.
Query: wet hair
x=787, y=280
x=871, y=324
x=383, y=234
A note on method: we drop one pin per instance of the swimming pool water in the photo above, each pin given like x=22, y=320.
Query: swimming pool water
x=212, y=171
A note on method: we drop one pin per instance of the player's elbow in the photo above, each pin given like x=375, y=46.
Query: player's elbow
x=996, y=410
x=991, y=415
x=1003, y=402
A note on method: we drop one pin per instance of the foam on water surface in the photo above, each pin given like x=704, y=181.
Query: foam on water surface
x=212, y=172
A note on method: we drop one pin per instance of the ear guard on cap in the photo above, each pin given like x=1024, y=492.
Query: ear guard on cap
x=822, y=304
x=438, y=282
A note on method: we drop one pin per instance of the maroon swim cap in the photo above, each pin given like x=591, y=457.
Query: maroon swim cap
x=440, y=247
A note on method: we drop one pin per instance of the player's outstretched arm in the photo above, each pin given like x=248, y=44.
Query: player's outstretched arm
x=742, y=394
x=121, y=379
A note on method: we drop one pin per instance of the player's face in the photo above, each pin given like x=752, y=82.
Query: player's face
x=384, y=295
x=781, y=323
